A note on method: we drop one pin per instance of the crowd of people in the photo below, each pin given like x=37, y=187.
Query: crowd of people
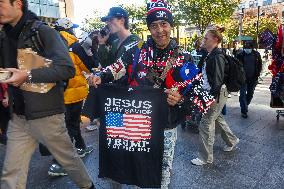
x=42, y=105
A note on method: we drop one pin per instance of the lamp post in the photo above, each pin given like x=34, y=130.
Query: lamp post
x=241, y=23
x=257, y=26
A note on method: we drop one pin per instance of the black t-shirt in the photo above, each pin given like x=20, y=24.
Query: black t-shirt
x=131, y=135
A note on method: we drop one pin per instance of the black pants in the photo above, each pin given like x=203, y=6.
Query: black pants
x=72, y=121
x=246, y=95
x=4, y=118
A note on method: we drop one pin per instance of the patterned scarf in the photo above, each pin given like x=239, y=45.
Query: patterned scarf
x=182, y=75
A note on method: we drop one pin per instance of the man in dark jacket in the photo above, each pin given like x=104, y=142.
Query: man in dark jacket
x=37, y=117
x=252, y=63
x=151, y=66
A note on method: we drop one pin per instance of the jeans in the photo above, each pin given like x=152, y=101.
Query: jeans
x=246, y=95
x=170, y=138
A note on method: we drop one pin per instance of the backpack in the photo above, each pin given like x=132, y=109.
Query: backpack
x=34, y=36
x=37, y=44
x=234, y=74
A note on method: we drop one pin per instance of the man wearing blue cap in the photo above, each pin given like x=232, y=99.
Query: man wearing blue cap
x=118, y=23
x=117, y=26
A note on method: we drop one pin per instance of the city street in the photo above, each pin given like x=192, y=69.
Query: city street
x=258, y=161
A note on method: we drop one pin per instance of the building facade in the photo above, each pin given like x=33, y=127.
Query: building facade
x=255, y=3
x=250, y=7
x=50, y=10
x=266, y=7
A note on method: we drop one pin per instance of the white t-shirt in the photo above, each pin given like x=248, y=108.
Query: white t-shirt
x=206, y=84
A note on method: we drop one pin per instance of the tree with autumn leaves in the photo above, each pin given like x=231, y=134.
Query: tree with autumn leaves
x=203, y=13
x=199, y=13
x=249, y=25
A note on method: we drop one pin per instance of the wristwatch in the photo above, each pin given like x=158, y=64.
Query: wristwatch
x=29, y=78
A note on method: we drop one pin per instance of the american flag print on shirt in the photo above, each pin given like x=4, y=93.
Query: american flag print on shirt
x=134, y=127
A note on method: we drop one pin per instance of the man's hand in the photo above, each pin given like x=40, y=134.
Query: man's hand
x=18, y=77
x=95, y=80
x=173, y=97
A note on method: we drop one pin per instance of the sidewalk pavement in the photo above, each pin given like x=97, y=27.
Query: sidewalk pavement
x=258, y=161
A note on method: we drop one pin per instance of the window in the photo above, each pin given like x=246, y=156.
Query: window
x=268, y=2
x=50, y=11
x=53, y=2
x=45, y=8
x=251, y=4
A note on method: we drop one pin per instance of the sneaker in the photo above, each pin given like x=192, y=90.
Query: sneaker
x=83, y=152
x=245, y=115
x=229, y=95
x=198, y=162
x=230, y=148
x=56, y=170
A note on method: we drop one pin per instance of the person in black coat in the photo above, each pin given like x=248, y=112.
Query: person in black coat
x=252, y=63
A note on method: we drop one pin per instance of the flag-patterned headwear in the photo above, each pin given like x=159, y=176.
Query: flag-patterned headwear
x=159, y=10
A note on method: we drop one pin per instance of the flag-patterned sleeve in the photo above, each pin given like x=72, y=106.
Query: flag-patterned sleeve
x=118, y=69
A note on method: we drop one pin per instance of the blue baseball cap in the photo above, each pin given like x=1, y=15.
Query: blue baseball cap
x=115, y=12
